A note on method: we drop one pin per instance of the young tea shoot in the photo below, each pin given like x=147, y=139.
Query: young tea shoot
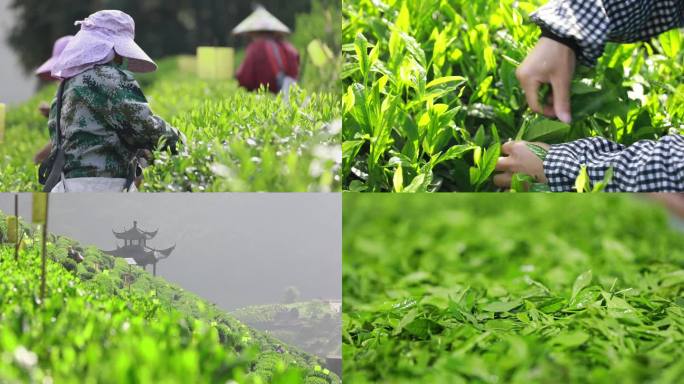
x=430, y=92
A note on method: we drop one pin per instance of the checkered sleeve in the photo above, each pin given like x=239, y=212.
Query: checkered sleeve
x=645, y=166
x=591, y=23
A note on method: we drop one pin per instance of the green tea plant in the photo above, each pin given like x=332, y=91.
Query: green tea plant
x=473, y=288
x=237, y=140
x=249, y=142
x=102, y=322
x=430, y=92
x=26, y=133
x=312, y=326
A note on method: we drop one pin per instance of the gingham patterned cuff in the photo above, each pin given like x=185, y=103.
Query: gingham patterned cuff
x=591, y=23
x=645, y=166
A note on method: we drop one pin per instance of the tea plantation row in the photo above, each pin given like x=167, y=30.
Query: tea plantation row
x=104, y=322
x=236, y=140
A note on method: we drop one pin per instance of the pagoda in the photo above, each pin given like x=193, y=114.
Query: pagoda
x=135, y=247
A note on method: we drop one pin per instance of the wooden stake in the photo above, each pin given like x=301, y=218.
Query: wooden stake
x=44, y=251
x=16, y=214
x=3, y=107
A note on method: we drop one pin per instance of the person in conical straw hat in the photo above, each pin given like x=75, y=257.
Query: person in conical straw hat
x=44, y=73
x=270, y=60
x=101, y=126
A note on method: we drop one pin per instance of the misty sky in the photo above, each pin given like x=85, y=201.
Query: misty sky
x=15, y=85
x=232, y=249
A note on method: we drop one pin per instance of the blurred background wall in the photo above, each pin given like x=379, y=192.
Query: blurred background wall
x=15, y=84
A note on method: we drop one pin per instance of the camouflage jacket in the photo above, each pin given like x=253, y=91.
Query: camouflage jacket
x=105, y=122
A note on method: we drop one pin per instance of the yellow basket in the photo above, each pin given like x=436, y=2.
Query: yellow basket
x=39, y=207
x=2, y=121
x=187, y=63
x=12, y=229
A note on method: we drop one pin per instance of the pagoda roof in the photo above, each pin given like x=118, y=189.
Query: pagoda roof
x=135, y=233
x=141, y=253
x=165, y=252
x=142, y=256
x=130, y=251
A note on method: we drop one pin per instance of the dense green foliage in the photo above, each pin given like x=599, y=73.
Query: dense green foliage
x=313, y=326
x=103, y=321
x=430, y=92
x=522, y=289
x=236, y=140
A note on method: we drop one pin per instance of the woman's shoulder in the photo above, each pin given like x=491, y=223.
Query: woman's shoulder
x=104, y=74
x=115, y=72
x=289, y=47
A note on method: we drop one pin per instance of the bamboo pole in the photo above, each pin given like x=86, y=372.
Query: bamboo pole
x=16, y=214
x=42, y=262
x=3, y=108
x=40, y=216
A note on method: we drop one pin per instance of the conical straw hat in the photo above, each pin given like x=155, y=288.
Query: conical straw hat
x=261, y=20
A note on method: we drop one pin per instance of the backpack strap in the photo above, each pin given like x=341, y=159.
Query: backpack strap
x=53, y=171
x=58, y=128
x=277, y=55
x=274, y=54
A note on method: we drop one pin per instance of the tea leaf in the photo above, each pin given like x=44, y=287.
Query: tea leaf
x=398, y=179
x=581, y=282
x=570, y=340
x=538, y=151
x=446, y=80
x=407, y=319
x=502, y=306
x=583, y=183
x=671, y=42
x=545, y=130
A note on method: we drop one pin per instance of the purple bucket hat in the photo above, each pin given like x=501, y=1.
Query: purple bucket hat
x=102, y=34
x=44, y=70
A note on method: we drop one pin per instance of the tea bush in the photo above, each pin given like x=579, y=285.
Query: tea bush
x=430, y=92
x=237, y=140
x=528, y=289
x=312, y=326
x=105, y=322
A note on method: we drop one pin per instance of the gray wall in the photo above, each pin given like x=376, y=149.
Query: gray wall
x=15, y=85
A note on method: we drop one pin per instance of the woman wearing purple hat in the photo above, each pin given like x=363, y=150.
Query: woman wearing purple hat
x=100, y=123
x=44, y=73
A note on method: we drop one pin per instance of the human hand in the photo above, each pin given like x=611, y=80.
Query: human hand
x=43, y=154
x=519, y=158
x=145, y=158
x=146, y=154
x=44, y=109
x=550, y=62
